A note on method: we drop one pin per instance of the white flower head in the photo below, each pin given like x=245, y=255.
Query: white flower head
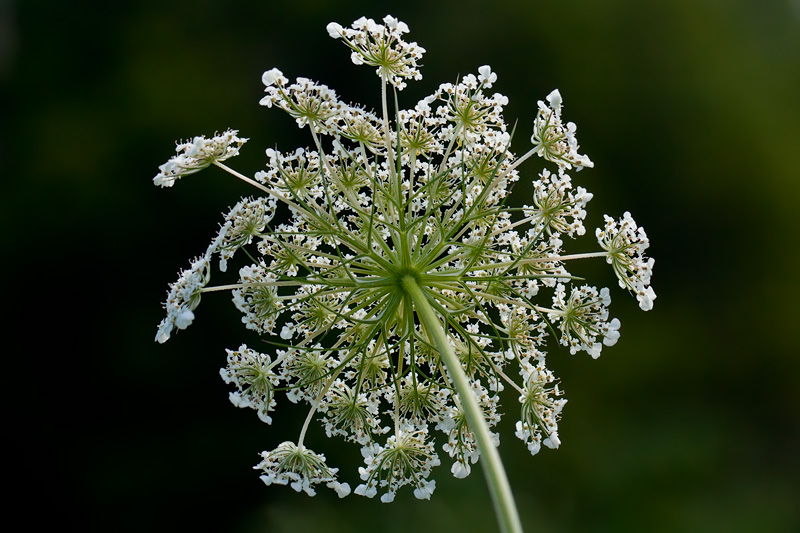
x=555, y=141
x=398, y=288
x=252, y=374
x=406, y=459
x=300, y=468
x=541, y=409
x=306, y=101
x=382, y=46
x=183, y=297
x=198, y=154
x=246, y=221
x=557, y=208
x=583, y=319
x=625, y=244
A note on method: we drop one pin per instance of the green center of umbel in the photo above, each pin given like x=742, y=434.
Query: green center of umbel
x=405, y=274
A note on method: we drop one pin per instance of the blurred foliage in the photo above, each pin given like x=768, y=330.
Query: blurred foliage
x=689, y=109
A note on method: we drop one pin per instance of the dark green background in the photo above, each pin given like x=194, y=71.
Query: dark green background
x=690, y=111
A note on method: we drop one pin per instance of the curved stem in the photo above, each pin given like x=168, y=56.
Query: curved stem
x=499, y=488
x=242, y=177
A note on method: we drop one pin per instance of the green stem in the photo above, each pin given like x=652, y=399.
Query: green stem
x=503, y=499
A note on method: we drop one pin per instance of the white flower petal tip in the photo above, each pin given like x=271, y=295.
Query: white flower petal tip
x=486, y=76
x=554, y=98
x=273, y=77
x=334, y=30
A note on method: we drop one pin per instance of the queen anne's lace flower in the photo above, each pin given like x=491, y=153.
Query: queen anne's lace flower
x=556, y=207
x=299, y=467
x=257, y=298
x=382, y=46
x=198, y=154
x=406, y=459
x=243, y=223
x=353, y=416
x=582, y=317
x=397, y=224
x=541, y=408
x=626, y=243
x=554, y=140
x=306, y=101
x=184, y=297
x=251, y=372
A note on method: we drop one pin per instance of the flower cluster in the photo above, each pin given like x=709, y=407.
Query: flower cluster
x=299, y=467
x=625, y=245
x=196, y=155
x=255, y=382
x=397, y=226
x=382, y=46
x=184, y=297
x=554, y=140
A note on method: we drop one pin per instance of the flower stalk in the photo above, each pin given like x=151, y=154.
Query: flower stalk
x=499, y=488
